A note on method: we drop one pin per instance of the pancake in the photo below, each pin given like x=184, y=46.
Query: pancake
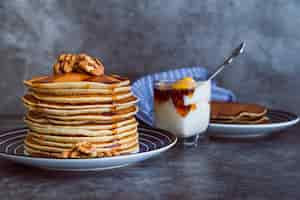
x=81, y=91
x=39, y=153
x=77, y=81
x=73, y=122
x=79, y=99
x=58, y=144
x=91, y=130
x=32, y=144
x=61, y=112
x=30, y=100
x=40, y=120
x=261, y=120
x=37, y=150
x=76, y=139
x=105, y=117
x=102, y=144
x=234, y=111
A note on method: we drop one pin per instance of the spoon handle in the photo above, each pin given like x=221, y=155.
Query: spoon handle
x=237, y=51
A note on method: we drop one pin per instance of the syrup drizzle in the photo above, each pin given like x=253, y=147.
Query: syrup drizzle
x=177, y=96
x=77, y=77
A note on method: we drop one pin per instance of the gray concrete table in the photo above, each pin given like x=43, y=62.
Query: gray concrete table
x=218, y=169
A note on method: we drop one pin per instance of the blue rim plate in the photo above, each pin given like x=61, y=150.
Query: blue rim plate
x=280, y=120
x=152, y=143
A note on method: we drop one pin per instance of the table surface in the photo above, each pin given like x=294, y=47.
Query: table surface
x=266, y=168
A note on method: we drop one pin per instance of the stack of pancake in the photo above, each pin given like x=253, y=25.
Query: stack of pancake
x=238, y=113
x=78, y=115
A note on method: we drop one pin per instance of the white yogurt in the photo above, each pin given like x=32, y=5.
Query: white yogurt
x=194, y=122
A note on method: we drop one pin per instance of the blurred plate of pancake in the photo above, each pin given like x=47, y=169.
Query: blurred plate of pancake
x=241, y=120
x=44, y=148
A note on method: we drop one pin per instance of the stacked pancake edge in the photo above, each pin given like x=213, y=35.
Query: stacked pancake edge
x=76, y=116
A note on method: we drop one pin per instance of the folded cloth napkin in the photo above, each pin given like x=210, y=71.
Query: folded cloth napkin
x=143, y=89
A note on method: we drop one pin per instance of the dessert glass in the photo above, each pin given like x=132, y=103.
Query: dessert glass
x=183, y=111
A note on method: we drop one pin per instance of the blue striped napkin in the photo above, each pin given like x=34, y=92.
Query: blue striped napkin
x=143, y=89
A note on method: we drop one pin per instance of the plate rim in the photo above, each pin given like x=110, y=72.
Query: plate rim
x=255, y=126
x=270, y=125
x=293, y=121
x=105, y=159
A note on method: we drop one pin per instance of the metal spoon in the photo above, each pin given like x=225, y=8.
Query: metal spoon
x=239, y=50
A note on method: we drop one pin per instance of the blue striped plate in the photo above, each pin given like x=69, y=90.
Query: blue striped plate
x=280, y=120
x=152, y=143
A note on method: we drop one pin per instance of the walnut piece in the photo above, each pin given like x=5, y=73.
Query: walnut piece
x=81, y=150
x=87, y=150
x=78, y=63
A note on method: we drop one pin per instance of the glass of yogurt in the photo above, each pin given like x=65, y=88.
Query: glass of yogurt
x=183, y=108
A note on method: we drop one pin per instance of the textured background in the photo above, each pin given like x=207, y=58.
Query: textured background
x=136, y=37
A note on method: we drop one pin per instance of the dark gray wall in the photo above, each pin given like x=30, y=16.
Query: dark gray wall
x=136, y=37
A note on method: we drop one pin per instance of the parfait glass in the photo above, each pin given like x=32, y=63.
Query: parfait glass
x=184, y=112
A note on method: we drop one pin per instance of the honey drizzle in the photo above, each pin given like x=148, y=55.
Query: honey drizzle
x=69, y=77
x=177, y=97
x=114, y=108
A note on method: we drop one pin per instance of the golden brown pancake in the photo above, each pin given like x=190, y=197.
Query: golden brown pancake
x=105, y=125
x=77, y=81
x=105, y=117
x=231, y=110
x=261, y=120
x=238, y=113
x=86, y=130
x=80, y=99
x=78, y=138
x=68, y=110
x=75, y=91
x=113, y=142
x=42, y=151
x=30, y=100
x=38, y=153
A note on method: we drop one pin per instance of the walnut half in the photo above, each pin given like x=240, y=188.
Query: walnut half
x=81, y=150
x=87, y=150
x=78, y=63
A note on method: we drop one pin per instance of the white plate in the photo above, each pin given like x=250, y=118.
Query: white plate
x=279, y=120
x=152, y=143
